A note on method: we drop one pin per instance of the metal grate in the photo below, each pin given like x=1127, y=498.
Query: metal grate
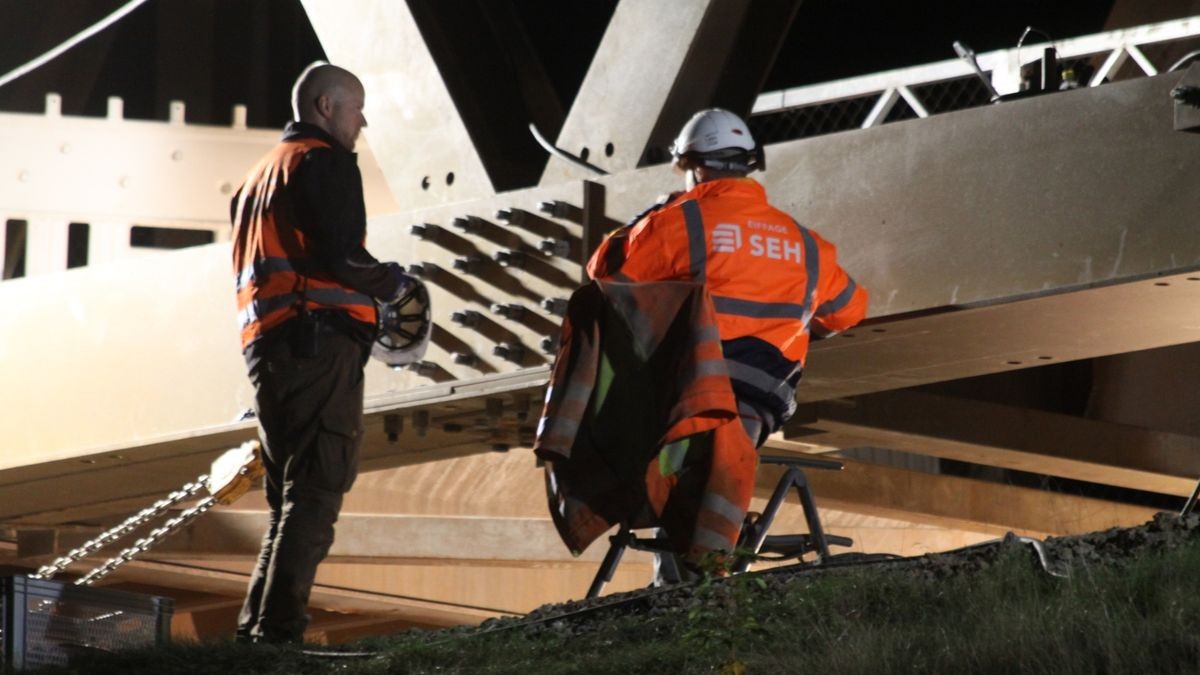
x=959, y=93
x=900, y=111
x=813, y=120
x=848, y=114
x=45, y=623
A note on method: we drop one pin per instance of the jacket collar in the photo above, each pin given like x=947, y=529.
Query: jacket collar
x=714, y=188
x=296, y=130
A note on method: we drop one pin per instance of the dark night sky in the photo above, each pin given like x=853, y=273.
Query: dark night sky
x=833, y=39
x=251, y=49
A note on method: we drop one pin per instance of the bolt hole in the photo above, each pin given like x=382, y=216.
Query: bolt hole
x=1162, y=283
x=1013, y=363
x=450, y=178
x=878, y=330
x=1045, y=358
x=847, y=335
x=583, y=154
x=609, y=149
x=425, y=183
x=1193, y=278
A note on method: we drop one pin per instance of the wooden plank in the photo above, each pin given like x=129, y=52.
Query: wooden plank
x=1008, y=437
x=958, y=503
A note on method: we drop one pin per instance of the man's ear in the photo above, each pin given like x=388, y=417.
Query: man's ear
x=323, y=105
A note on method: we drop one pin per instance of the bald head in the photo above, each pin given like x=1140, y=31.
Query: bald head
x=331, y=98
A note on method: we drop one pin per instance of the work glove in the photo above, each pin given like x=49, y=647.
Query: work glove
x=404, y=284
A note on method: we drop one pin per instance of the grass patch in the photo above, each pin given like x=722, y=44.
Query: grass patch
x=1138, y=616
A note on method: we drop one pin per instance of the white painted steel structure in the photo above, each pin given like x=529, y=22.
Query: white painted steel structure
x=113, y=174
x=1116, y=47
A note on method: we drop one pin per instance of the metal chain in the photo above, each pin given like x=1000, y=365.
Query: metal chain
x=146, y=542
x=130, y=524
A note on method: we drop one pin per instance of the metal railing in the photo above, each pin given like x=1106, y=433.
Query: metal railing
x=944, y=86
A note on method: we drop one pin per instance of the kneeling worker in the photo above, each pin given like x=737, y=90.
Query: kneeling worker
x=773, y=281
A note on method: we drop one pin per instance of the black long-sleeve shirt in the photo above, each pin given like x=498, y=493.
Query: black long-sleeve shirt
x=325, y=195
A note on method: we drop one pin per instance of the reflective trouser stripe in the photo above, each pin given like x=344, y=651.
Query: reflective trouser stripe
x=705, y=538
x=724, y=508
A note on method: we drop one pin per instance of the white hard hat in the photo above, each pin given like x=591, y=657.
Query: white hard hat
x=403, y=327
x=720, y=139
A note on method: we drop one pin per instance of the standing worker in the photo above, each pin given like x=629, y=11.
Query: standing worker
x=773, y=282
x=305, y=291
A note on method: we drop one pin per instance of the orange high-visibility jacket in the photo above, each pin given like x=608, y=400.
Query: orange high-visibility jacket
x=769, y=277
x=268, y=249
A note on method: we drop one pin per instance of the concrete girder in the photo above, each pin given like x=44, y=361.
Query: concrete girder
x=1001, y=202
x=1020, y=264
x=426, y=153
x=324, y=595
x=191, y=338
x=220, y=621
x=1158, y=311
x=877, y=534
x=947, y=346
x=1149, y=389
x=394, y=539
x=346, y=630
x=965, y=511
x=625, y=103
x=1008, y=437
x=430, y=594
x=813, y=177
x=167, y=173
x=493, y=72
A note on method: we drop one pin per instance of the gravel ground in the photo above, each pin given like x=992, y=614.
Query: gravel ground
x=1056, y=555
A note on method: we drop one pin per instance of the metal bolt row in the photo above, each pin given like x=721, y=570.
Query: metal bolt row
x=475, y=264
x=494, y=411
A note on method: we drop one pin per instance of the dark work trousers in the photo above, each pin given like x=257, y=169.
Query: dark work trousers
x=310, y=420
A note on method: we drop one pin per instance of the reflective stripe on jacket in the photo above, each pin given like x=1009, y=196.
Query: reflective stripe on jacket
x=273, y=258
x=769, y=277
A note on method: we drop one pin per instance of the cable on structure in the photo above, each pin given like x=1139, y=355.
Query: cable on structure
x=76, y=39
